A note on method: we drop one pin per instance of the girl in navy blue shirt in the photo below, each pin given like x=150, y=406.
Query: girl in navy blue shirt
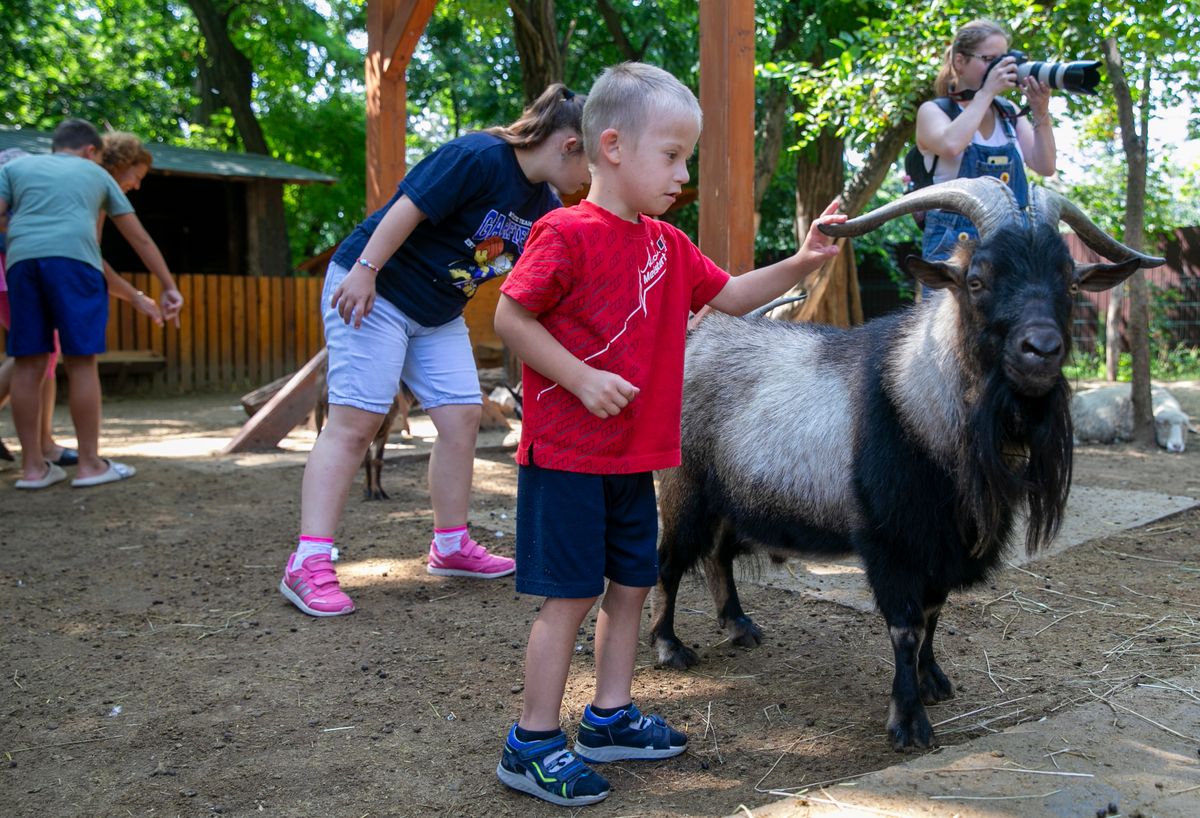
x=393, y=302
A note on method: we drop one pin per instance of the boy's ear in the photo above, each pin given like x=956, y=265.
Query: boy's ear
x=90, y=152
x=610, y=145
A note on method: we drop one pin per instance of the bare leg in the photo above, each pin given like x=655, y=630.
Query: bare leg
x=452, y=463
x=49, y=395
x=27, y=412
x=84, y=380
x=616, y=643
x=548, y=659
x=331, y=466
x=6, y=375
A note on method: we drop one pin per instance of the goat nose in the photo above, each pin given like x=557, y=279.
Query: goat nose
x=1042, y=342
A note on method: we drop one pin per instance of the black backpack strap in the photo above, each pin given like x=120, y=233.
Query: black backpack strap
x=950, y=108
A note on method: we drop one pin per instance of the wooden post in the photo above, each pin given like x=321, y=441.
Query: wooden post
x=727, y=142
x=393, y=29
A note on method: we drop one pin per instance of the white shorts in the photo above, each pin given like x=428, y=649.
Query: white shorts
x=367, y=364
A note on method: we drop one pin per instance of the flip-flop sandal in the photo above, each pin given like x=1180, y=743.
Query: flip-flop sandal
x=53, y=475
x=68, y=457
x=115, y=472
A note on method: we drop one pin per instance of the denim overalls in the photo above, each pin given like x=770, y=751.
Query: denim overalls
x=944, y=229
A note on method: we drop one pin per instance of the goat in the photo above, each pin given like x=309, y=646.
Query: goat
x=402, y=404
x=1105, y=415
x=912, y=440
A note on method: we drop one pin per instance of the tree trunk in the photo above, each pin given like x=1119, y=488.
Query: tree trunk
x=538, y=48
x=1135, y=218
x=1112, y=331
x=612, y=21
x=231, y=77
x=833, y=296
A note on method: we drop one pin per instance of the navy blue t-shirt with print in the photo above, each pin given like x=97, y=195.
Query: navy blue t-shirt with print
x=479, y=208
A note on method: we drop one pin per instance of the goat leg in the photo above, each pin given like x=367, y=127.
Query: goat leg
x=908, y=724
x=718, y=569
x=932, y=682
x=671, y=652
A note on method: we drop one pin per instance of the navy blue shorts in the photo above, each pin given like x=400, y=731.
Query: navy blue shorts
x=573, y=530
x=46, y=294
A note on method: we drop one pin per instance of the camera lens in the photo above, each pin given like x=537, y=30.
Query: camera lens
x=1080, y=77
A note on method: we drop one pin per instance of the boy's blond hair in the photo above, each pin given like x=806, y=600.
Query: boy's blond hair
x=627, y=96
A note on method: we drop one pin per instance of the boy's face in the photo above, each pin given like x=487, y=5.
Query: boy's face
x=654, y=170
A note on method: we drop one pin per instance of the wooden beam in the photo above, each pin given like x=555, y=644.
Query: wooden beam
x=393, y=29
x=727, y=142
x=281, y=413
x=404, y=30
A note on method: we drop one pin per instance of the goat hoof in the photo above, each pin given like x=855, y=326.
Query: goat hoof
x=674, y=654
x=935, y=687
x=909, y=733
x=744, y=633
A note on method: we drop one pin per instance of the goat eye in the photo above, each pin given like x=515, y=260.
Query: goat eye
x=1074, y=288
x=974, y=284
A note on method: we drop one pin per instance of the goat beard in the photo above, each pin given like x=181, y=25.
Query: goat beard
x=1020, y=455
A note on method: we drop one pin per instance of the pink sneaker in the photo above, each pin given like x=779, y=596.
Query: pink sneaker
x=471, y=560
x=314, y=588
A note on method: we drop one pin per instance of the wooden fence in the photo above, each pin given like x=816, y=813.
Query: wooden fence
x=235, y=332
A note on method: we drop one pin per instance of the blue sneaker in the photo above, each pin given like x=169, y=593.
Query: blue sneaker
x=548, y=770
x=627, y=734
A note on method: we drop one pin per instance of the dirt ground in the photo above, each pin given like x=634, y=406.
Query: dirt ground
x=150, y=667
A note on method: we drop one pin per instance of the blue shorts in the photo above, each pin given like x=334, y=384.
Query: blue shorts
x=45, y=294
x=367, y=364
x=573, y=530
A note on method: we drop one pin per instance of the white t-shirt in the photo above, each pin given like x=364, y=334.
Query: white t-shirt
x=947, y=168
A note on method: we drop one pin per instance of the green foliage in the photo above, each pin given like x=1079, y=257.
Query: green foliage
x=1177, y=363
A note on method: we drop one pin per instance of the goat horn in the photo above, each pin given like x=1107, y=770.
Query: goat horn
x=987, y=202
x=1052, y=206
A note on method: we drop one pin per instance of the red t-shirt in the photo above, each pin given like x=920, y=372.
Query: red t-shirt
x=617, y=296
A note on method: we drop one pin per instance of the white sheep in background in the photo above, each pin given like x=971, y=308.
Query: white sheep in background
x=1105, y=415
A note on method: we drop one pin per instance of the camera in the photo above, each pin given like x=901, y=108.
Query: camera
x=1079, y=77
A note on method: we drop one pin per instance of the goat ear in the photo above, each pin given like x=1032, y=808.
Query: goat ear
x=1096, y=278
x=936, y=275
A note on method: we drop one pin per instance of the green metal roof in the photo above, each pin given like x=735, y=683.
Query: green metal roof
x=173, y=161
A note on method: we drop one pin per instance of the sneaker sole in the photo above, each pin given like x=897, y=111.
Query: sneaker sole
x=291, y=597
x=600, y=755
x=458, y=572
x=523, y=784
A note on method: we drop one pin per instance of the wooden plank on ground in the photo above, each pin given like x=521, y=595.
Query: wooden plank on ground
x=282, y=413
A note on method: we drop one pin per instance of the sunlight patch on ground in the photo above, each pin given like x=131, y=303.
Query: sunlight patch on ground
x=366, y=573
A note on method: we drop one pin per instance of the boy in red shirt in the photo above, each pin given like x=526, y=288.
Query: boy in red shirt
x=597, y=308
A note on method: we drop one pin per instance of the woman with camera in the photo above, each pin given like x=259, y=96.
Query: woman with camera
x=970, y=131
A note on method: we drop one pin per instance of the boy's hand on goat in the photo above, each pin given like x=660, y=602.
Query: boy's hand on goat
x=818, y=247
x=355, y=296
x=605, y=394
